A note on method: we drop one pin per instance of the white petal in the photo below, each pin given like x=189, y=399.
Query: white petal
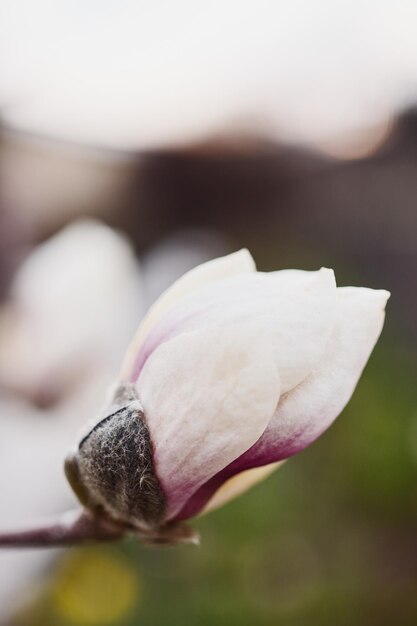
x=307, y=411
x=296, y=308
x=240, y=262
x=304, y=319
x=208, y=396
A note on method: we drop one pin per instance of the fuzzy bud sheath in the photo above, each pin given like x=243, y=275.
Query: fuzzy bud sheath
x=113, y=474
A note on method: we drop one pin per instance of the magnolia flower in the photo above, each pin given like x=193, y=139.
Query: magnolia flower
x=231, y=372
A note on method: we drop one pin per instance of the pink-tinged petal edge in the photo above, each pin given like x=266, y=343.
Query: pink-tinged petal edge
x=207, y=397
x=237, y=263
x=306, y=412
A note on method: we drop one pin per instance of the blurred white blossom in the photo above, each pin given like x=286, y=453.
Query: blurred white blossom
x=135, y=75
x=72, y=306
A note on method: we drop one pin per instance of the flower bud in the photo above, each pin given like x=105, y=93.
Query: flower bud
x=231, y=372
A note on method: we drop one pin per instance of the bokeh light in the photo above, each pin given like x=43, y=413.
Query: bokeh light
x=94, y=588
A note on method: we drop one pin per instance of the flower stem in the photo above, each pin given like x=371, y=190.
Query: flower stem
x=72, y=528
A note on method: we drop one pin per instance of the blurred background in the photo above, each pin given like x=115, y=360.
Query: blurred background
x=138, y=139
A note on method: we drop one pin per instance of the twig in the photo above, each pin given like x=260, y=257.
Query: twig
x=75, y=527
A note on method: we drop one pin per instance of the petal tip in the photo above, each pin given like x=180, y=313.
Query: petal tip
x=378, y=297
x=384, y=295
x=327, y=274
x=245, y=257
